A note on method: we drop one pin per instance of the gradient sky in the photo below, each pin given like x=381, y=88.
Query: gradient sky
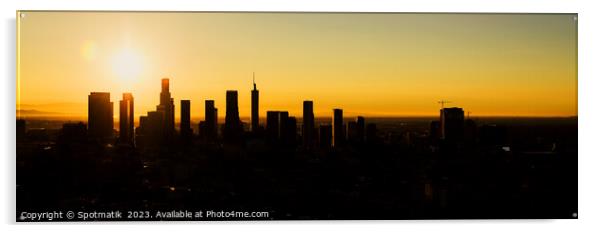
x=367, y=64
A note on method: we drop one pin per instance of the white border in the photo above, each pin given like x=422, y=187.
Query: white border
x=589, y=112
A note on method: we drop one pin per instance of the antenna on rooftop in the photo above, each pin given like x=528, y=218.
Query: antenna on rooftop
x=254, y=86
x=443, y=102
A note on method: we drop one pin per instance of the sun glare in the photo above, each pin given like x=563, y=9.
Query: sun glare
x=127, y=64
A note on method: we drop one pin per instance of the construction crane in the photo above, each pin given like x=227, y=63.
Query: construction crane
x=443, y=102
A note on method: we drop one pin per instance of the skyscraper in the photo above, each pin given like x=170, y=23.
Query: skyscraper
x=308, y=123
x=272, y=125
x=158, y=126
x=100, y=115
x=356, y=130
x=185, y=130
x=210, y=130
x=166, y=106
x=126, y=119
x=452, y=124
x=254, y=107
x=232, y=127
x=338, y=135
x=282, y=125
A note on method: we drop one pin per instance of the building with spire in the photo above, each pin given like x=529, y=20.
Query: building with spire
x=166, y=107
x=254, y=107
x=158, y=126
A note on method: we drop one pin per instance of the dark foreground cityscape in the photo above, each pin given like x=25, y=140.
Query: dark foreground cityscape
x=286, y=168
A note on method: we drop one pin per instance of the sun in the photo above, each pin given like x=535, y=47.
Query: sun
x=127, y=64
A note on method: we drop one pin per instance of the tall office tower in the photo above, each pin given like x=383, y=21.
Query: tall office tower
x=452, y=124
x=126, y=119
x=338, y=135
x=308, y=123
x=325, y=136
x=166, y=106
x=272, y=125
x=100, y=115
x=254, y=107
x=232, y=127
x=185, y=130
x=356, y=130
x=282, y=125
x=210, y=130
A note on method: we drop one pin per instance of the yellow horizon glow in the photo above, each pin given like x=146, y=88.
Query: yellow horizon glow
x=367, y=64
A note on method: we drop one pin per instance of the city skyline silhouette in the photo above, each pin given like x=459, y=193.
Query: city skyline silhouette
x=304, y=116
x=248, y=118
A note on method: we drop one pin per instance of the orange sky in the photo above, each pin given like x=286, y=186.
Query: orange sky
x=367, y=64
